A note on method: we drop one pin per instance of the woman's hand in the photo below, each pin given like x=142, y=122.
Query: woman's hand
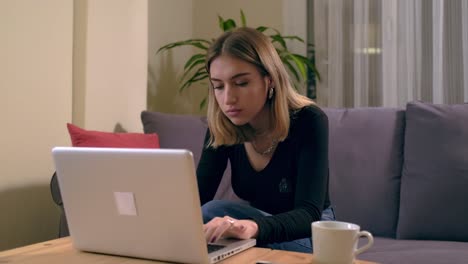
x=229, y=227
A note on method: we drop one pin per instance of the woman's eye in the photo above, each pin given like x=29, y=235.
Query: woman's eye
x=217, y=87
x=242, y=84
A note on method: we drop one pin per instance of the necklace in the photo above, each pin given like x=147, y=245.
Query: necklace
x=267, y=151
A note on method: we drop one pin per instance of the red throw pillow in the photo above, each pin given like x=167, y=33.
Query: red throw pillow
x=88, y=138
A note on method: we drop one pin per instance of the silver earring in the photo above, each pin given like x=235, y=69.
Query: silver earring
x=270, y=93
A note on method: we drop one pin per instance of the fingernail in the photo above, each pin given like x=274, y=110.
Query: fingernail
x=213, y=239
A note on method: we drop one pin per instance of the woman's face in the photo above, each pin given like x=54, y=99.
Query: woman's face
x=239, y=88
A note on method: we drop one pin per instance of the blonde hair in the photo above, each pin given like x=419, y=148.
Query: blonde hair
x=252, y=46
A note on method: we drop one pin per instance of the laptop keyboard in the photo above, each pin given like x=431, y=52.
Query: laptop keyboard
x=212, y=248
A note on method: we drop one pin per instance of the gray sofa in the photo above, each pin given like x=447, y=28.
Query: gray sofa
x=401, y=174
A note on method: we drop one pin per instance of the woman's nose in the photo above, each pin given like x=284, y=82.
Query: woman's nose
x=230, y=96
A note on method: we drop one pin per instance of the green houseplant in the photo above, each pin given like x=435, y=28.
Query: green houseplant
x=301, y=68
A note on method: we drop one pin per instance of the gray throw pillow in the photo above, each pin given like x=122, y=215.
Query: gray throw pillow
x=176, y=131
x=365, y=159
x=434, y=188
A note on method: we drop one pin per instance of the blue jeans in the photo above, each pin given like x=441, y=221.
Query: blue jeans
x=221, y=208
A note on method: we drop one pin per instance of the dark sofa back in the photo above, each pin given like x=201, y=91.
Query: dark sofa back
x=366, y=156
x=366, y=147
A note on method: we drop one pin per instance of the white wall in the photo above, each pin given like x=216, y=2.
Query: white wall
x=258, y=13
x=111, y=58
x=295, y=23
x=35, y=82
x=169, y=21
x=61, y=60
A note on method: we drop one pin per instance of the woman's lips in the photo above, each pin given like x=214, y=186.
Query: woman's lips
x=233, y=112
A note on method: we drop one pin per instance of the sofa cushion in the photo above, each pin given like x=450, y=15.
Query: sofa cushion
x=396, y=251
x=186, y=132
x=365, y=159
x=176, y=131
x=89, y=138
x=435, y=174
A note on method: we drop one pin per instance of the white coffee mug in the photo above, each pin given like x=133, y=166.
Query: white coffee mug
x=336, y=242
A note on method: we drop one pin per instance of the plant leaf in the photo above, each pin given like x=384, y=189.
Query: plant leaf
x=199, y=45
x=291, y=69
x=191, y=42
x=229, y=24
x=293, y=38
x=201, y=69
x=203, y=102
x=279, y=39
x=172, y=45
x=305, y=60
x=309, y=64
x=300, y=65
x=194, y=58
x=221, y=22
x=195, y=78
x=200, y=40
x=243, y=21
x=263, y=29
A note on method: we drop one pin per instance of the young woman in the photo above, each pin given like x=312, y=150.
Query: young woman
x=276, y=141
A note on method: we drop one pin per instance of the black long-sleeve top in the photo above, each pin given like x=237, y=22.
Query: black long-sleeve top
x=293, y=187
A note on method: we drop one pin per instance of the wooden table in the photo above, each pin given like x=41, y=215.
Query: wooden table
x=62, y=251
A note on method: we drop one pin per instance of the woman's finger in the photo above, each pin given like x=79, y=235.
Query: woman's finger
x=222, y=227
x=209, y=233
x=210, y=227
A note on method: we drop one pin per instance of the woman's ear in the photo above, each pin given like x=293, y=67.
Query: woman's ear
x=270, y=83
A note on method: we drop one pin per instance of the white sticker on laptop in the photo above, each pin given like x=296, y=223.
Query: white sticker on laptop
x=125, y=202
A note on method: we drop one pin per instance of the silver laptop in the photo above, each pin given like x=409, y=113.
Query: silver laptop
x=136, y=202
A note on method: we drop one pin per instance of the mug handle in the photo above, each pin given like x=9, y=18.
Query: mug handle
x=369, y=243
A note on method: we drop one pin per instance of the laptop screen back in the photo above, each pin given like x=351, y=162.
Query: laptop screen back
x=132, y=202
